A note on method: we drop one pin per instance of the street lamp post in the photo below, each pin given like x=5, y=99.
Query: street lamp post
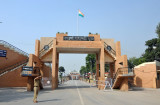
x=154, y=47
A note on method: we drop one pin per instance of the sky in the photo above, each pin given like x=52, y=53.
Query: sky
x=132, y=22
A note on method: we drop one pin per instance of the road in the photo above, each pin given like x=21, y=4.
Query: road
x=75, y=92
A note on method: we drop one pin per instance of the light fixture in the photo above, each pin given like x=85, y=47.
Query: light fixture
x=109, y=48
x=46, y=47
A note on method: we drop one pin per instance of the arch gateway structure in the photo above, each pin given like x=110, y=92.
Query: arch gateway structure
x=47, y=49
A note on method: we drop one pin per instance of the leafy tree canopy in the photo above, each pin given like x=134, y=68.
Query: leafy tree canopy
x=152, y=51
x=61, y=69
x=91, y=63
x=158, y=30
x=83, y=70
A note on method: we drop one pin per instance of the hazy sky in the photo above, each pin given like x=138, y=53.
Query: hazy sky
x=130, y=21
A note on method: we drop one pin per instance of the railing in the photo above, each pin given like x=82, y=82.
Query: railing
x=121, y=71
x=45, y=49
x=109, y=49
x=13, y=47
x=10, y=68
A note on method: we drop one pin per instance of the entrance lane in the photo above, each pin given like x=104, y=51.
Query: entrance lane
x=81, y=99
x=67, y=94
x=91, y=96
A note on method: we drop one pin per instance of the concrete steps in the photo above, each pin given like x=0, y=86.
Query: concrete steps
x=15, y=59
x=117, y=83
x=13, y=67
x=120, y=75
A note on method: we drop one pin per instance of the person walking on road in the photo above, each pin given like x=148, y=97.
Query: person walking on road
x=36, y=88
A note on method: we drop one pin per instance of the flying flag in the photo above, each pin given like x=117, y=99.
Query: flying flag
x=80, y=13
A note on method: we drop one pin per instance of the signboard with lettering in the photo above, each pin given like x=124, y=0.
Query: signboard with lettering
x=3, y=53
x=27, y=71
x=78, y=38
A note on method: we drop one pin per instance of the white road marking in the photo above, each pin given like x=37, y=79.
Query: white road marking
x=81, y=99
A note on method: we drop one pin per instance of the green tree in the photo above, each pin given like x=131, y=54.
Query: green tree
x=141, y=60
x=106, y=67
x=152, y=51
x=61, y=70
x=132, y=62
x=153, y=47
x=83, y=70
x=158, y=30
x=91, y=63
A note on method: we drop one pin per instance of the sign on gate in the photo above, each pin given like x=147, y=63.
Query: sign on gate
x=27, y=71
x=78, y=38
x=3, y=53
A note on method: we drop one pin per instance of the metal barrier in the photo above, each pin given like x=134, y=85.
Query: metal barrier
x=106, y=83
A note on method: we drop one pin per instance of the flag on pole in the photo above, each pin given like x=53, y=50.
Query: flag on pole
x=80, y=13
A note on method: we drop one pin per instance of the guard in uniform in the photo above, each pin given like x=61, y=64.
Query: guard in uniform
x=36, y=88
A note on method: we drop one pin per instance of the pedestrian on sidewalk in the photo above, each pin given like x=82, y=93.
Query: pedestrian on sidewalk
x=36, y=87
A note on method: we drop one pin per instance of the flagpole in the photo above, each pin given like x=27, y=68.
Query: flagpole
x=77, y=22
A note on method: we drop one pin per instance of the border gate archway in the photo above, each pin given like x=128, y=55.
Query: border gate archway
x=47, y=49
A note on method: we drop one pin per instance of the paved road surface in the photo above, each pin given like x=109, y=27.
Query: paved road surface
x=77, y=92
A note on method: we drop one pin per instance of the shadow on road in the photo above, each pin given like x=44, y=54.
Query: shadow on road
x=13, y=94
x=16, y=94
x=50, y=100
x=136, y=89
x=72, y=87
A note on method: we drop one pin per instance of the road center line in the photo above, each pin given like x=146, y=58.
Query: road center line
x=81, y=99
